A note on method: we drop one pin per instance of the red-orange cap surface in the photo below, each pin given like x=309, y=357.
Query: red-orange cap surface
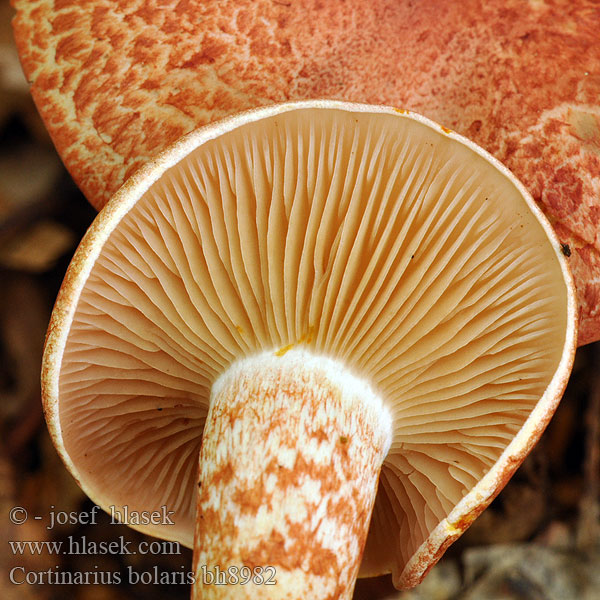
x=117, y=81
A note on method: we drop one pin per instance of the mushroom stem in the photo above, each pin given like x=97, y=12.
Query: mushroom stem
x=291, y=454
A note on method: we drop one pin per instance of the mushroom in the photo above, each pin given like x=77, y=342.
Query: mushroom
x=118, y=81
x=336, y=311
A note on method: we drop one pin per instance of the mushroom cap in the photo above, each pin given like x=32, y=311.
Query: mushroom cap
x=118, y=81
x=367, y=234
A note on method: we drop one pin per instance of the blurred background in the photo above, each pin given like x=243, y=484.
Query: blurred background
x=539, y=540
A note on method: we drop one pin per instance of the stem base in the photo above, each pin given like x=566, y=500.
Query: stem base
x=289, y=465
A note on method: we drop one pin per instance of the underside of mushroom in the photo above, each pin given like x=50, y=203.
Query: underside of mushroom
x=363, y=299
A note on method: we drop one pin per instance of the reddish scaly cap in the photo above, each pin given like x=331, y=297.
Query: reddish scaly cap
x=117, y=81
